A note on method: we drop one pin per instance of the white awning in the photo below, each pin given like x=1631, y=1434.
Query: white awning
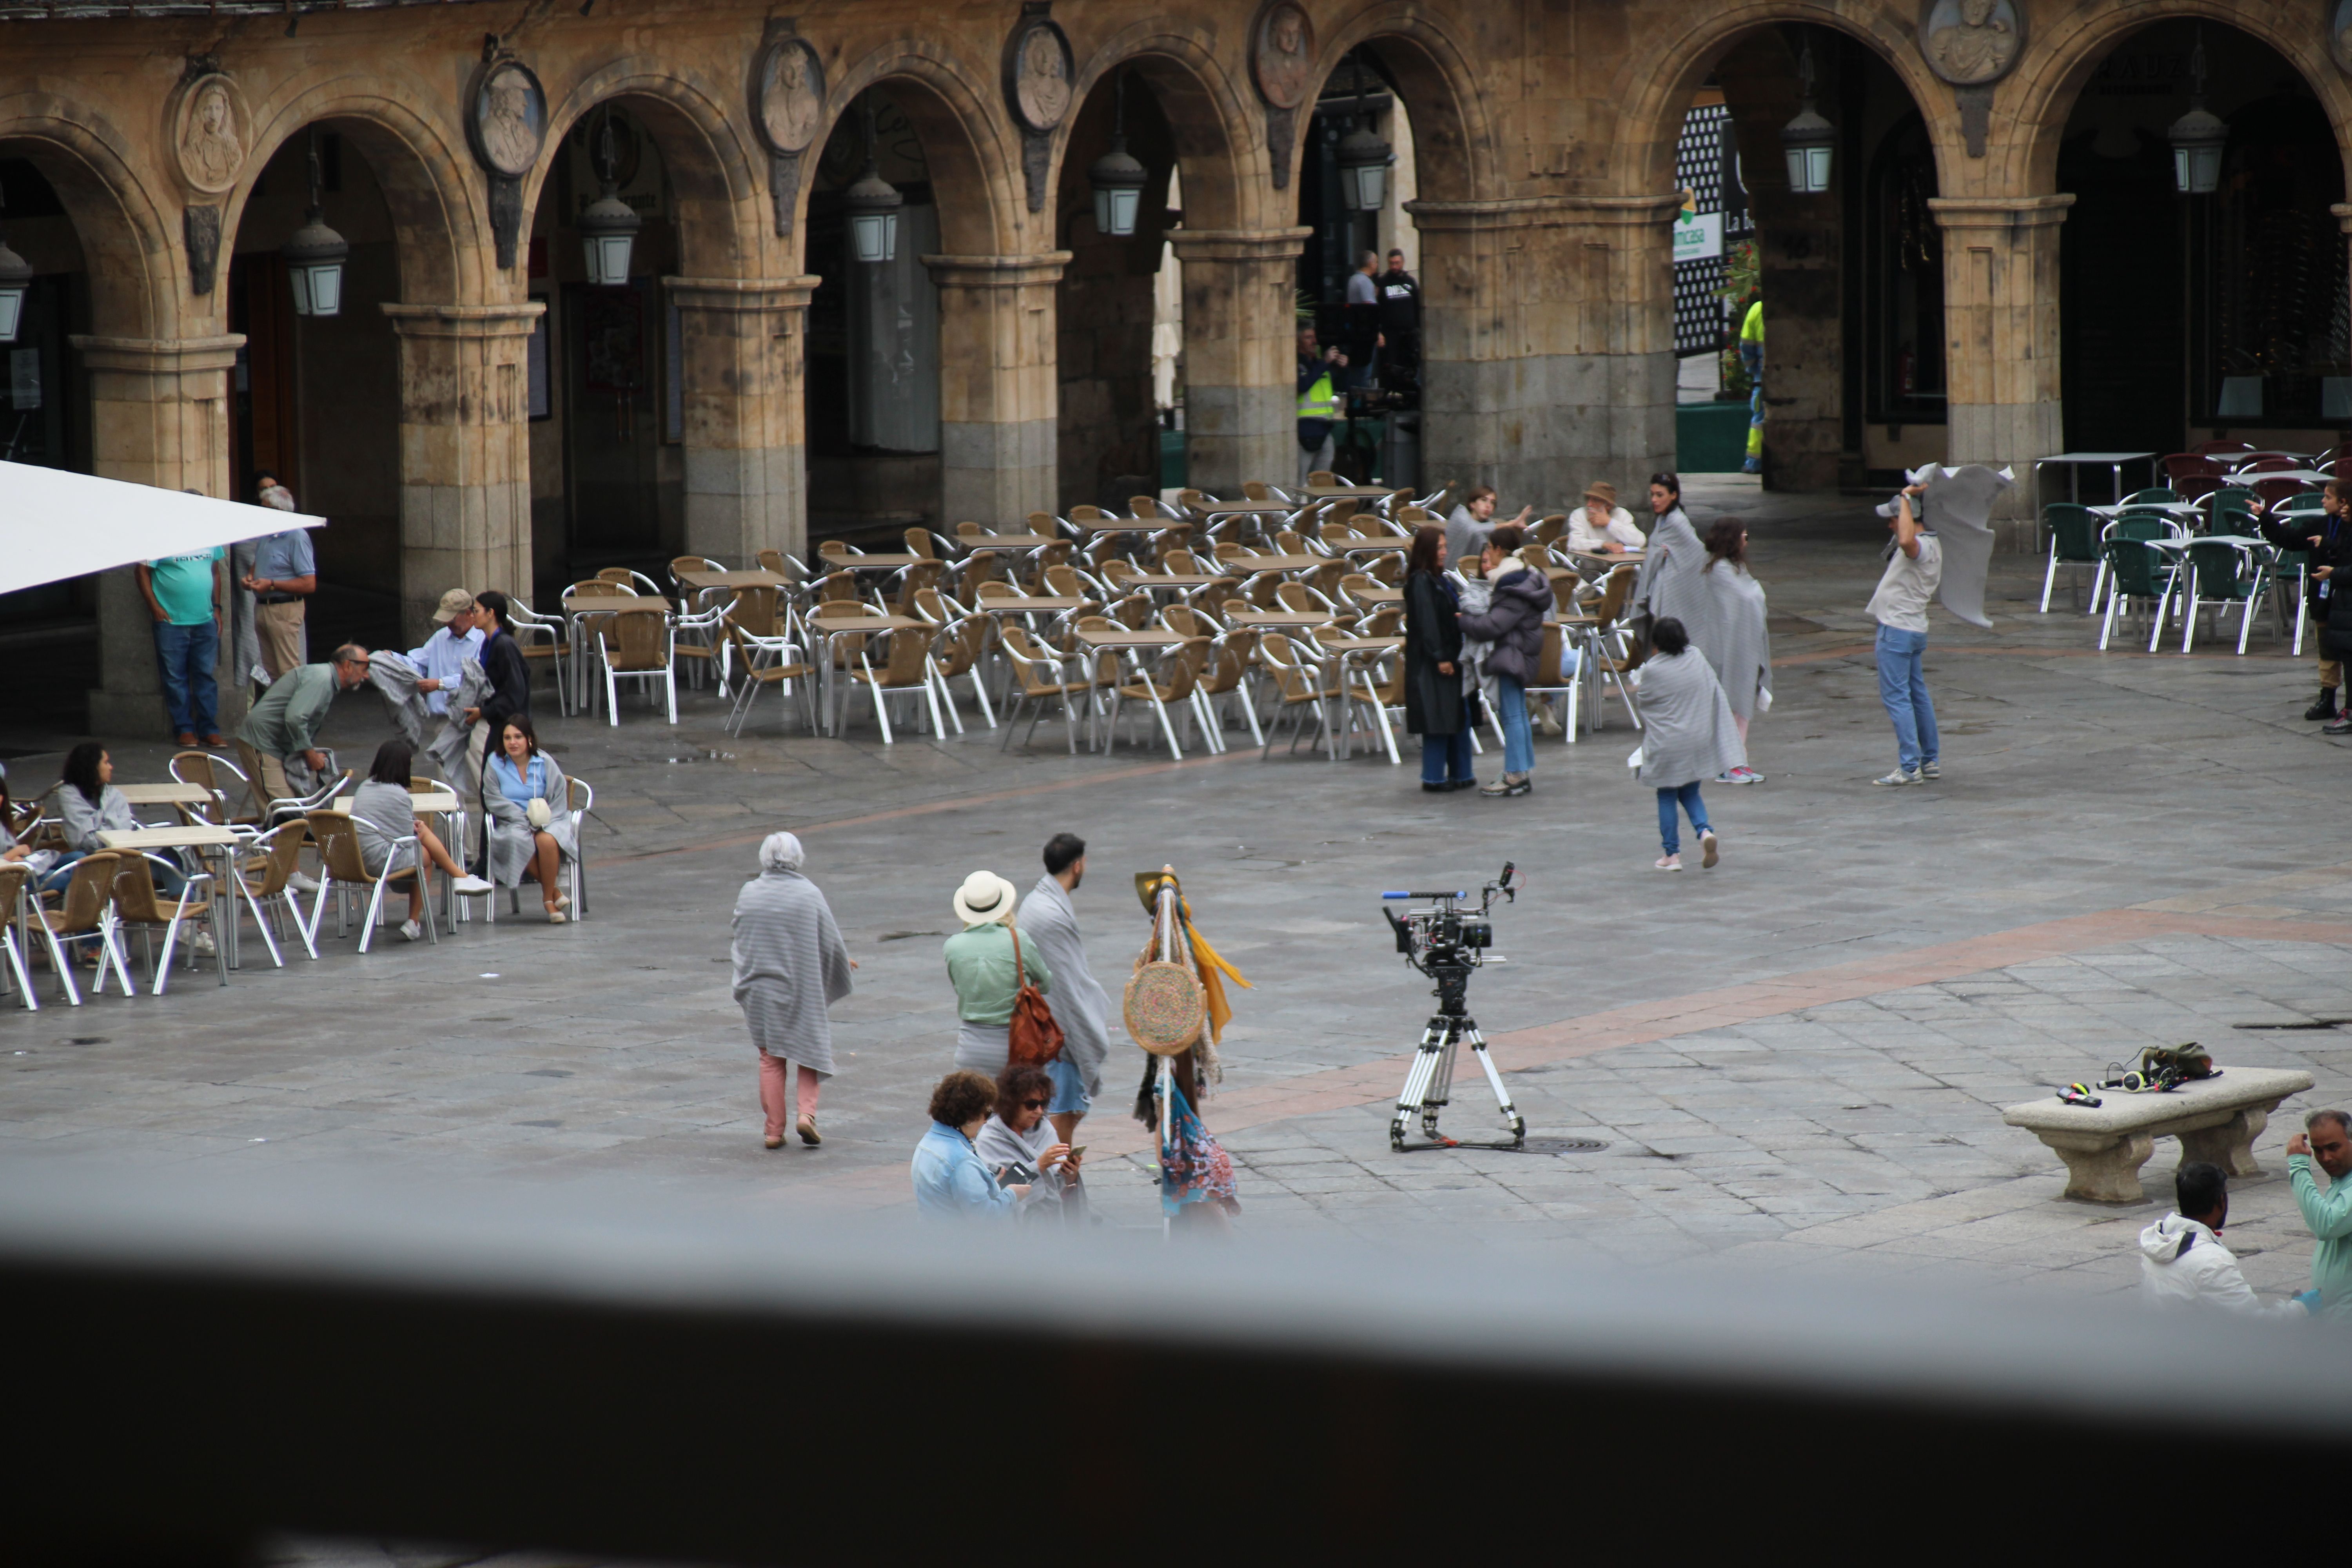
x=55, y=525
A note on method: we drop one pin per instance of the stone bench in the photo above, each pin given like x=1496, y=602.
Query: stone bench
x=2216, y=1118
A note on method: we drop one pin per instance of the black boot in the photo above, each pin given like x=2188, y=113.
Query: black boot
x=2326, y=707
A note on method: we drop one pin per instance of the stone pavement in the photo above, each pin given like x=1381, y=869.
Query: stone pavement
x=1795, y=1060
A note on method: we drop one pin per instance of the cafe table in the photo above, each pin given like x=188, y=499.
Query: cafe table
x=827, y=627
x=217, y=844
x=1134, y=644
x=2076, y=462
x=1250, y=564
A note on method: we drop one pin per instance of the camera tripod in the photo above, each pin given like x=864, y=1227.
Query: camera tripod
x=1430, y=1082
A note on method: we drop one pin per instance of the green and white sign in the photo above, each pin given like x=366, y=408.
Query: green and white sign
x=1698, y=236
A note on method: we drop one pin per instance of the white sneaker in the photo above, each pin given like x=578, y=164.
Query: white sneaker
x=201, y=944
x=1707, y=847
x=1899, y=776
x=410, y=931
x=302, y=884
x=1667, y=863
x=473, y=887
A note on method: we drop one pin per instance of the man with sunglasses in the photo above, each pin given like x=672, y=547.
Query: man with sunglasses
x=278, y=738
x=1050, y=922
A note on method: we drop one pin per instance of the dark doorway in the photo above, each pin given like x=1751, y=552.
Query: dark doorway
x=2120, y=295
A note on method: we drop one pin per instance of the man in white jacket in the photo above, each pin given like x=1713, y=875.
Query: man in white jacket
x=2182, y=1261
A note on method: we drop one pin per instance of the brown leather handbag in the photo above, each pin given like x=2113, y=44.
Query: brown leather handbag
x=1032, y=1036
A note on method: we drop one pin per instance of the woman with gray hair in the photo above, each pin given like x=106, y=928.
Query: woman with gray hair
x=789, y=965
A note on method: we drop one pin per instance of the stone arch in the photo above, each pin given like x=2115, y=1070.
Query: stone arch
x=439, y=213
x=1221, y=149
x=2043, y=92
x=711, y=171
x=126, y=243
x=1658, y=85
x=974, y=156
x=1452, y=135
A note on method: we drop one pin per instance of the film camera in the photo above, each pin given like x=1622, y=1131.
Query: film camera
x=1446, y=942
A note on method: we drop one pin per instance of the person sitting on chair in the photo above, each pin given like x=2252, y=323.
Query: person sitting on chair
x=381, y=812
x=531, y=827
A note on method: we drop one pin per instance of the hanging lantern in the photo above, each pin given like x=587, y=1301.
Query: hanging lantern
x=873, y=204
x=2198, y=137
x=609, y=227
x=16, y=278
x=314, y=257
x=1808, y=140
x=1116, y=177
x=1364, y=159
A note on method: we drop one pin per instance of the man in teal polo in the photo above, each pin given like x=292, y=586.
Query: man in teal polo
x=2327, y=1138
x=187, y=595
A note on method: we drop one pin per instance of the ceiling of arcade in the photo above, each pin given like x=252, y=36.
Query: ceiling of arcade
x=154, y=125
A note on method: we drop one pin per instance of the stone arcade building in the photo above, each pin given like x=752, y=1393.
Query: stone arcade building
x=476, y=414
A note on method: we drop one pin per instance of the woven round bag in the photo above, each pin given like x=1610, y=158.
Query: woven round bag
x=1165, y=1008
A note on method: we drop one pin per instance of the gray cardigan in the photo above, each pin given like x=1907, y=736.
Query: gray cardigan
x=83, y=821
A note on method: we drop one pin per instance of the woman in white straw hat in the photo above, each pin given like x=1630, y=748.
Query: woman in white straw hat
x=981, y=967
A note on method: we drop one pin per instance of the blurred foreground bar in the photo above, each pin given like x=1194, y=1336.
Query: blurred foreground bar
x=195, y=1362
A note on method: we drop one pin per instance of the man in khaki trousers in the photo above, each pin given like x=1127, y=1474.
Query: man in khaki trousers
x=285, y=575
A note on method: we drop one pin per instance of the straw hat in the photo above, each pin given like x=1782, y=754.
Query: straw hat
x=1602, y=491
x=985, y=897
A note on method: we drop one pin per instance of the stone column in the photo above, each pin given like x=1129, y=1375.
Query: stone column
x=998, y=455
x=2001, y=323
x=465, y=452
x=1547, y=344
x=745, y=352
x=998, y=458
x=1241, y=400
x=158, y=416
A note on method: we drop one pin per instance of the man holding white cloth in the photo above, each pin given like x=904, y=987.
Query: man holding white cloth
x=1051, y=924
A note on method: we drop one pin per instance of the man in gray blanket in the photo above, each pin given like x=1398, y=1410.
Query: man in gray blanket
x=1050, y=921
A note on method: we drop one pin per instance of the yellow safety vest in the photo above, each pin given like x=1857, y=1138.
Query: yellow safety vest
x=1318, y=400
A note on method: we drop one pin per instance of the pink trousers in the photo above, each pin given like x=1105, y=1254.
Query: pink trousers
x=775, y=1093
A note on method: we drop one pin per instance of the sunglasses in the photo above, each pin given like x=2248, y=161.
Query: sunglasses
x=1034, y=1104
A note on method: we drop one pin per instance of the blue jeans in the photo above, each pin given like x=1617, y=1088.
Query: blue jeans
x=170, y=881
x=1903, y=687
x=1444, y=758
x=1686, y=797
x=1070, y=1096
x=1518, y=741
x=185, y=656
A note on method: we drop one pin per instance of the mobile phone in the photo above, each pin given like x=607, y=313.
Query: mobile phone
x=1078, y=1151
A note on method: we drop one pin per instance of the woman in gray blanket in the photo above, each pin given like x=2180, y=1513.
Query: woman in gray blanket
x=1019, y=1141
x=789, y=966
x=383, y=812
x=530, y=805
x=1687, y=736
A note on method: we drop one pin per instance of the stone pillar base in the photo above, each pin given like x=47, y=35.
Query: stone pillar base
x=158, y=417
x=1000, y=443
x=464, y=453
x=1241, y=401
x=744, y=355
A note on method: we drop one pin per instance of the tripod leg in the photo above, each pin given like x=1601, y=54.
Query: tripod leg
x=1416, y=1084
x=1502, y=1095
x=1440, y=1088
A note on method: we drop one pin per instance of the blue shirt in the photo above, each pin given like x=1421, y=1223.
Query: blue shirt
x=950, y=1180
x=520, y=787
x=284, y=555
x=443, y=658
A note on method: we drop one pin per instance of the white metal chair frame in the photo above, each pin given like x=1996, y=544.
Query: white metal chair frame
x=927, y=686
x=189, y=894
x=666, y=672
x=780, y=650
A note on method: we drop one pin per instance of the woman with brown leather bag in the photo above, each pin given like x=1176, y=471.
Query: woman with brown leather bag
x=1001, y=983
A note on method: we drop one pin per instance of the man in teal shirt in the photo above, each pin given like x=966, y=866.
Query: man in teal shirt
x=283, y=726
x=2327, y=1137
x=186, y=595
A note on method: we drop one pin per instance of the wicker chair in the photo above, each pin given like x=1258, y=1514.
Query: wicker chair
x=635, y=643
x=138, y=904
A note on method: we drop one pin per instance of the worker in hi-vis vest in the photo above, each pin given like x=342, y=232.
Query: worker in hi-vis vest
x=1321, y=376
x=1751, y=360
